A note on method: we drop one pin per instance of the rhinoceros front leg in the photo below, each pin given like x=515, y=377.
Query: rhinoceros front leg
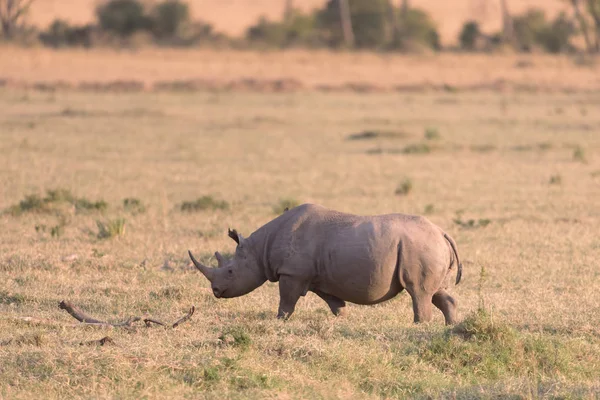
x=290, y=290
x=337, y=305
x=447, y=304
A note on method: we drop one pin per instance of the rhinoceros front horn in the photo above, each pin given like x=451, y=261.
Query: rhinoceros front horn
x=207, y=272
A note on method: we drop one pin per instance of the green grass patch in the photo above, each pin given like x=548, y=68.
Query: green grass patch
x=432, y=134
x=374, y=134
x=54, y=198
x=417, y=148
x=235, y=336
x=555, y=180
x=134, y=206
x=404, y=187
x=579, y=154
x=204, y=203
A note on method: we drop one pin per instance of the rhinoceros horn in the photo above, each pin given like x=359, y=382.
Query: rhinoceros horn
x=220, y=259
x=207, y=272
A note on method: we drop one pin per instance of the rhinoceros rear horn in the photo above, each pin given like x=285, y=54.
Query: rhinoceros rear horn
x=207, y=272
x=219, y=257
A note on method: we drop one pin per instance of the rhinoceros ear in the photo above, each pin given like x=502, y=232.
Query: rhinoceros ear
x=235, y=236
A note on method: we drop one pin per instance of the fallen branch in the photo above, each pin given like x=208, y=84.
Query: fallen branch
x=84, y=318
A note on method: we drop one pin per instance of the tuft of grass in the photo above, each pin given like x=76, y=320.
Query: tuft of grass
x=111, y=228
x=34, y=339
x=543, y=146
x=133, y=205
x=404, y=187
x=579, y=154
x=11, y=298
x=284, y=205
x=204, y=203
x=472, y=223
x=595, y=174
x=235, y=336
x=372, y=134
x=483, y=148
x=432, y=134
x=417, y=148
x=555, y=180
x=429, y=209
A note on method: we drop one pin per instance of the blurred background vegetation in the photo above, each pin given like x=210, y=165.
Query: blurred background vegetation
x=379, y=25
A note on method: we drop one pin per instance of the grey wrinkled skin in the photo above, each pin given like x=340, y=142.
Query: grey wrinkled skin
x=343, y=257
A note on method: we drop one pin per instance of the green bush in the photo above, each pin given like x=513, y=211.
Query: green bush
x=468, y=35
x=169, y=18
x=61, y=34
x=298, y=30
x=417, y=27
x=532, y=30
x=122, y=17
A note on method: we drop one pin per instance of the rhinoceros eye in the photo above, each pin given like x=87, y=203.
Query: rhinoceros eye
x=230, y=272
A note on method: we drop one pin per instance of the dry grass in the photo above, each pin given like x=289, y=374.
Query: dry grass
x=540, y=250
x=235, y=16
x=322, y=70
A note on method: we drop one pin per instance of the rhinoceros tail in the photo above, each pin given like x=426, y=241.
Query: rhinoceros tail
x=453, y=245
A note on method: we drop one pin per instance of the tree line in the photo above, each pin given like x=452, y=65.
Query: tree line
x=379, y=25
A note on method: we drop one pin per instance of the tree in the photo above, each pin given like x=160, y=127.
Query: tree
x=346, y=23
x=11, y=15
x=507, y=23
x=584, y=11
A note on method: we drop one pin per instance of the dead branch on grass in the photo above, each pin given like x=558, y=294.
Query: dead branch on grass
x=84, y=318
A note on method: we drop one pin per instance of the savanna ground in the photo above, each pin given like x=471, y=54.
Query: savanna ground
x=513, y=176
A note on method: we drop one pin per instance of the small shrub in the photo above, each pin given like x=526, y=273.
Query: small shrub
x=122, y=17
x=579, y=154
x=133, y=205
x=284, y=205
x=111, y=228
x=432, y=134
x=468, y=35
x=417, y=148
x=404, y=188
x=555, y=180
x=204, y=203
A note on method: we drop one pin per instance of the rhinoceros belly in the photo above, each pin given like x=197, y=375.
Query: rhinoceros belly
x=364, y=273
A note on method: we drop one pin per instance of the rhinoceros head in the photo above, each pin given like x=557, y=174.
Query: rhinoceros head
x=236, y=276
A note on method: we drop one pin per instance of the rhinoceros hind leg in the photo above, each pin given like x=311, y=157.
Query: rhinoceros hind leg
x=446, y=304
x=421, y=306
x=290, y=291
x=337, y=305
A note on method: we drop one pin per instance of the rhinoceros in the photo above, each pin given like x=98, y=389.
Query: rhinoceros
x=342, y=258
